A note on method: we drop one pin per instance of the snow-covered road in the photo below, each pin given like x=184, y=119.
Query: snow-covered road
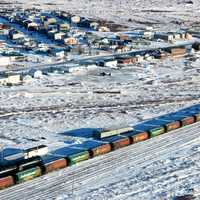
x=148, y=169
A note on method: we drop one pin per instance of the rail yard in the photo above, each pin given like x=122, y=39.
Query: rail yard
x=99, y=100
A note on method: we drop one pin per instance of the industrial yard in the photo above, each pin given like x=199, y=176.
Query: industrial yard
x=72, y=70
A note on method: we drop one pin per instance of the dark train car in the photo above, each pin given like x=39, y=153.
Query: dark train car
x=95, y=148
x=29, y=163
x=73, y=155
x=7, y=170
x=118, y=141
x=137, y=136
x=153, y=130
x=51, y=163
x=6, y=182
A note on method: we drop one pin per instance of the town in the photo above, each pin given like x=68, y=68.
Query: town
x=37, y=42
x=99, y=99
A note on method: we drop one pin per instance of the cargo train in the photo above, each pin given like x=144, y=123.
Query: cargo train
x=35, y=163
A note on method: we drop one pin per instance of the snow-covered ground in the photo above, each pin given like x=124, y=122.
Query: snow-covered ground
x=58, y=110
x=159, y=168
x=168, y=14
x=41, y=110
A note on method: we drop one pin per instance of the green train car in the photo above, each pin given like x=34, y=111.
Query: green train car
x=78, y=157
x=28, y=174
x=153, y=128
x=72, y=154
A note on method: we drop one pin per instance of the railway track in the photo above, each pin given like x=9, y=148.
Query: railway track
x=63, y=108
x=51, y=185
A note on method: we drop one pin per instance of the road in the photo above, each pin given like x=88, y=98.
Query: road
x=90, y=173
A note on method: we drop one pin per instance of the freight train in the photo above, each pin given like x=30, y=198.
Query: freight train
x=37, y=161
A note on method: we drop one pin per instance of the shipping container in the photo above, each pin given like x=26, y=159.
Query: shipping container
x=110, y=133
x=153, y=130
x=6, y=182
x=171, y=122
x=95, y=148
x=103, y=149
x=73, y=155
x=118, y=141
x=184, y=118
x=7, y=170
x=78, y=157
x=28, y=174
x=36, y=151
x=51, y=163
x=168, y=124
x=137, y=136
x=192, y=111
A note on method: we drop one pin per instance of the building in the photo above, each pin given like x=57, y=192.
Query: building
x=12, y=79
x=5, y=60
x=14, y=34
x=70, y=41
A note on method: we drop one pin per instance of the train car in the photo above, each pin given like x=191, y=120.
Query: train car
x=51, y=163
x=185, y=119
x=40, y=150
x=6, y=182
x=109, y=133
x=73, y=155
x=153, y=130
x=7, y=170
x=118, y=141
x=29, y=163
x=170, y=123
x=95, y=148
x=137, y=136
x=192, y=111
x=28, y=174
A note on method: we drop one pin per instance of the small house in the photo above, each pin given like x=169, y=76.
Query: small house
x=64, y=27
x=14, y=34
x=110, y=63
x=59, y=36
x=58, y=53
x=5, y=60
x=10, y=79
x=70, y=41
x=164, y=36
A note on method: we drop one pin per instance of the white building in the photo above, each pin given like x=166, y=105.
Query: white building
x=5, y=60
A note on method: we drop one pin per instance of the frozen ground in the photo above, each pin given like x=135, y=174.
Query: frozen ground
x=155, y=169
x=51, y=109
x=41, y=110
x=168, y=14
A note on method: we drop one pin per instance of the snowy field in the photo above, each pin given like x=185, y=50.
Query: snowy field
x=46, y=110
x=155, y=169
x=166, y=15
x=58, y=110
